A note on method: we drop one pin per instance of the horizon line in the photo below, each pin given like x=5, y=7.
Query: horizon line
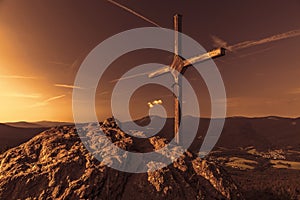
x=169, y=117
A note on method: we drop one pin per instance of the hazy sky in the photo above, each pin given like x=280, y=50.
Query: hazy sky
x=42, y=44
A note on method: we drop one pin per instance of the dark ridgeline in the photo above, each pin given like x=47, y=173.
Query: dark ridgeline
x=15, y=133
x=14, y=136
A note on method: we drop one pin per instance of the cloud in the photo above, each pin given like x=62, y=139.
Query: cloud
x=47, y=101
x=67, y=86
x=155, y=102
x=17, y=77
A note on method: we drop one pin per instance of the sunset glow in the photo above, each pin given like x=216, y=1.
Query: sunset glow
x=41, y=52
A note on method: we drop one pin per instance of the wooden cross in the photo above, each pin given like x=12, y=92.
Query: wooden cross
x=179, y=66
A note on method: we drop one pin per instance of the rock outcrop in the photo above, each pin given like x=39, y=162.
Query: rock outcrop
x=56, y=165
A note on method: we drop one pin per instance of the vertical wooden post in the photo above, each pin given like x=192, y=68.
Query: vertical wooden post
x=178, y=29
x=177, y=78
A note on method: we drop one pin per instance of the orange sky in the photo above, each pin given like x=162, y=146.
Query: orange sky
x=43, y=44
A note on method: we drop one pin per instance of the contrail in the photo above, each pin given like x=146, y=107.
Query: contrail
x=273, y=38
x=46, y=102
x=54, y=98
x=32, y=96
x=294, y=91
x=134, y=13
x=129, y=77
x=218, y=42
x=256, y=52
x=67, y=86
x=17, y=77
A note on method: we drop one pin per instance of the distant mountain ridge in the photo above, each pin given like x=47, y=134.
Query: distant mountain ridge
x=13, y=136
x=262, y=132
x=23, y=124
x=38, y=124
x=15, y=133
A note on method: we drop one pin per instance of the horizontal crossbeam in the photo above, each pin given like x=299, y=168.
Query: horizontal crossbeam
x=200, y=58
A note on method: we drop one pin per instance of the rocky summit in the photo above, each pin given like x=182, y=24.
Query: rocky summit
x=56, y=165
